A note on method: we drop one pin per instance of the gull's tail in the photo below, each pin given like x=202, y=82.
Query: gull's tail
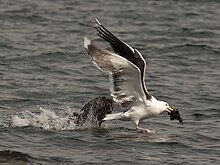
x=114, y=116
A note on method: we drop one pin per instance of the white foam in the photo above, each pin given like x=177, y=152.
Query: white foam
x=46, y=119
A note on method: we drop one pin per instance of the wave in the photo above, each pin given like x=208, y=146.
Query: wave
x=15, y=157
x=204, y=46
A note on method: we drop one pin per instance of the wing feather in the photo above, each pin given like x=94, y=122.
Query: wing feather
x=124, y=50
x=125, y=77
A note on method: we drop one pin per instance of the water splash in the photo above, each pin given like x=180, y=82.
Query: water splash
x=90, y=116
x=45, y=119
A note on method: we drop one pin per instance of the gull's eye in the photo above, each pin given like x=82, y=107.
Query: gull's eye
x=166, y=105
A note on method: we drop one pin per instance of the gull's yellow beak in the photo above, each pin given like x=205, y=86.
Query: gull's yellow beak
x=169, y=109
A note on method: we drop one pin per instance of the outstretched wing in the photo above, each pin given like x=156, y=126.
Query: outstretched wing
x=124, y=50
x=124, y=76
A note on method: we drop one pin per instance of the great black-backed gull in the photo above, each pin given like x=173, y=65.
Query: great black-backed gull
x=126, y=69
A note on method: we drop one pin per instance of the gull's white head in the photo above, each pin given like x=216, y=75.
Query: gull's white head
x=164, y=107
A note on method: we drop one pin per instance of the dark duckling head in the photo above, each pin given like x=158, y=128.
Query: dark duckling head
x=175, y=115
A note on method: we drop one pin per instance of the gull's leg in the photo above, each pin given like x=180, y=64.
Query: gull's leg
x=142, y=130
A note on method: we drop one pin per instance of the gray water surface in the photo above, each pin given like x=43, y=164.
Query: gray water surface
x=45, y=76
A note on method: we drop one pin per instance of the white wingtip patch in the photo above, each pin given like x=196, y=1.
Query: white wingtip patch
x=86, y=42
x=97, y=22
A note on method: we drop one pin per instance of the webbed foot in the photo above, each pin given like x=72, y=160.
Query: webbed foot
x=143, y=130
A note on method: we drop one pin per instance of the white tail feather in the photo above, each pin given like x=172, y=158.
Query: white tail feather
x=113, y=116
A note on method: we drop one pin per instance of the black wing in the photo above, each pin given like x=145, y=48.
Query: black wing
x=124, y=50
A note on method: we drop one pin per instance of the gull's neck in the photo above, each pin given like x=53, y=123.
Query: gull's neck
x=156, y=106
